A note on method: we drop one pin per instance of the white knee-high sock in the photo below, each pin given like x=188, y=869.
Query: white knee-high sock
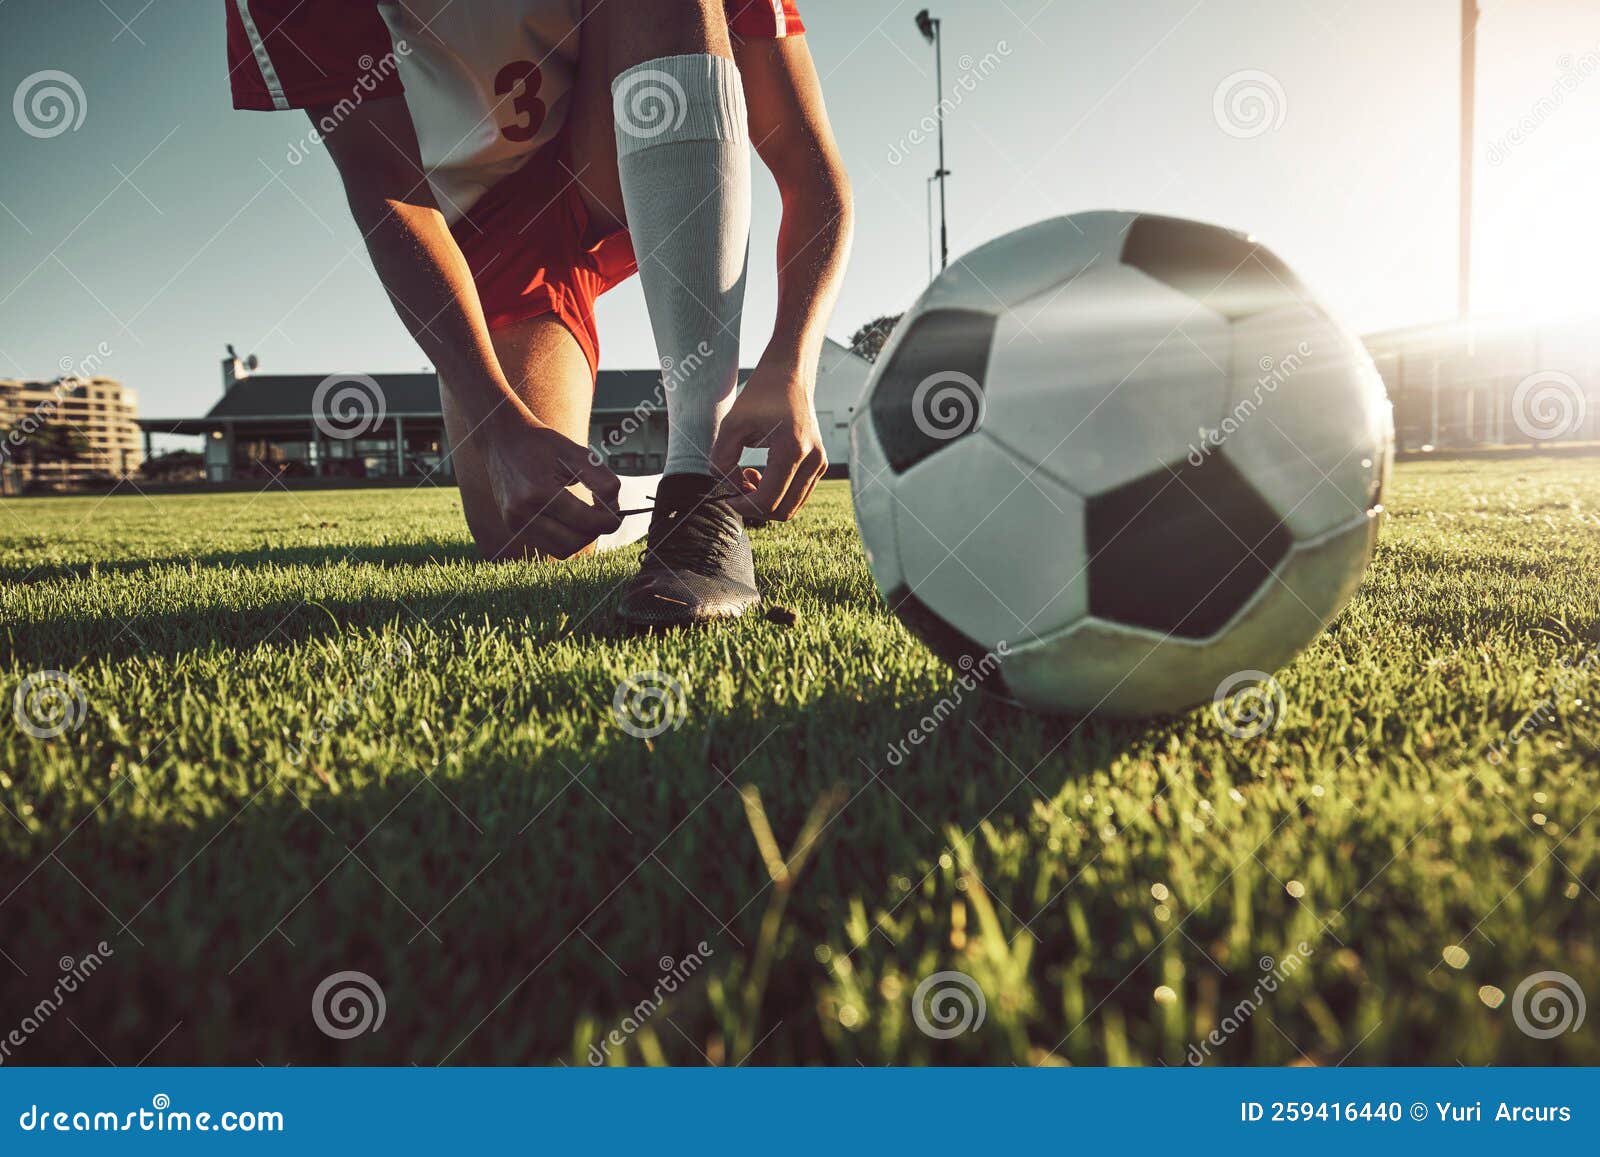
x=683, y=155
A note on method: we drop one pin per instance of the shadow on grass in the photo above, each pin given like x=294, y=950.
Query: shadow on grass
x=541, y=601
x=511, y=905
x=259, y=558
x=544, y=601
x=519, y=898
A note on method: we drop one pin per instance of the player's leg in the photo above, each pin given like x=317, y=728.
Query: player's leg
x=683, y=164
x=592, y=129
x=546, y=366
x=658, y=77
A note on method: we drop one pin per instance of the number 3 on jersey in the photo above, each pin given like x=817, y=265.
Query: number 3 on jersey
x=521, y=77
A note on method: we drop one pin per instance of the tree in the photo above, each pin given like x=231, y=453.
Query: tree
x=36, y=442
x=175, y=464
x=868, y=340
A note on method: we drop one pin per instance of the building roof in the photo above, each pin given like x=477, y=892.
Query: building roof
x=290, y=395
x=284, y=397
x=619, y=390
x=1478, y=328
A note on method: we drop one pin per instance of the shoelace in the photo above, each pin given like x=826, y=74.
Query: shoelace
x=724, y=491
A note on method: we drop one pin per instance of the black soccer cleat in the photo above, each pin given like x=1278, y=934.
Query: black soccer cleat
x=697, y=563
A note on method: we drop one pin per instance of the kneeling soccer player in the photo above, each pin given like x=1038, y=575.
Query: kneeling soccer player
x=508, y=161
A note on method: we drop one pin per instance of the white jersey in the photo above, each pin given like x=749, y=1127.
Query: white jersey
x=488, y=82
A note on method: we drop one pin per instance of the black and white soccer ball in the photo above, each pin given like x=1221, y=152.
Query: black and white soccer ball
x=1114, y=462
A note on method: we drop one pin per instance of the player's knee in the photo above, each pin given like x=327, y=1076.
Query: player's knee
x=641, y=30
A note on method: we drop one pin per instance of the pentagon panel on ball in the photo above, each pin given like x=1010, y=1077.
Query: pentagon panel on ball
x=1131, y=454
x=1182, y=549
x=931, y=389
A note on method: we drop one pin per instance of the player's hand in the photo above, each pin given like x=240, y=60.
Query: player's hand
x=541, y=480
x=775, y=410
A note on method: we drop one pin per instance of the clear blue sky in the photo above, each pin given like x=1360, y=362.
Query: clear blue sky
x=168, y=224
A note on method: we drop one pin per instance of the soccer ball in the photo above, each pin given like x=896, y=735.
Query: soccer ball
x=1119, y=463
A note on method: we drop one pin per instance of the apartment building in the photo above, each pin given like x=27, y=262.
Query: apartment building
x=101, y=409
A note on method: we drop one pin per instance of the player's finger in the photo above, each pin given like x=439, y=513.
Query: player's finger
x=782, y=465
x=749, y=479
x=581, y=517
x=811, y=469
x=601, y=480
x=800, y=493
x=727, y=450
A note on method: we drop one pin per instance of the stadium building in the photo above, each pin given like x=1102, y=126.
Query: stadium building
x=1489, y=382
x=390, y=426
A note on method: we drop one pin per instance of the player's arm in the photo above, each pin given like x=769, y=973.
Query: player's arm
x=427, y=278
x=412, y=250
x=789, y=127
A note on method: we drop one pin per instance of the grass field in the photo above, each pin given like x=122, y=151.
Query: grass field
x=318, y=737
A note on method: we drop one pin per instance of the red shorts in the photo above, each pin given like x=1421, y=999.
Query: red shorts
x=533, y=249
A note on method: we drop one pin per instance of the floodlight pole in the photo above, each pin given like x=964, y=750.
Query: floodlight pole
x=929, y=26
x=1469, y=65
x=938, y=80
